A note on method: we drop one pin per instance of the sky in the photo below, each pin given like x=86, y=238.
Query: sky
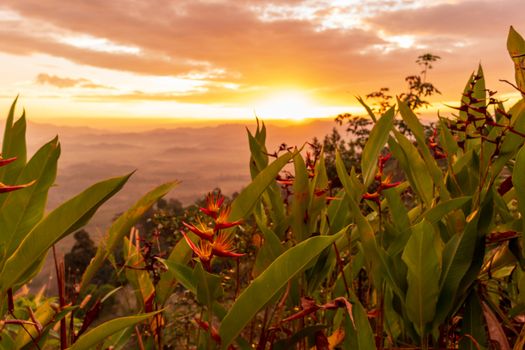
x=230, y=60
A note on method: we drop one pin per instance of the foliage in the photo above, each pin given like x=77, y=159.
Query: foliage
x=27, y=235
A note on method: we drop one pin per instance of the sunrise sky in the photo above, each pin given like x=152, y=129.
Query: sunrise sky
x=216, y=59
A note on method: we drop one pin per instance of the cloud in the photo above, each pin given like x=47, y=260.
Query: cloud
x=60, y=82
x=467, y=19
x=194, y=37
x=228, y=42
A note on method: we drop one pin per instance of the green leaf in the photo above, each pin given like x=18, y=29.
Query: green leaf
x=473, y=324
x=44, y=314
x=208, y=286
x=351, y=185
x=360, y=336
x=121, y=227
x=258, y=162
x=300, y=201
x=374, y=145
x=435, y=214
x=447, y=141
x=269, y=283
x=179, y=255
x=368, y=109
x=62, y=221
x=317, y=199
x=423, y=263
x=398, y=211
x=244, y=203
x=457, y=259
x=184, y=275
x=23, y=209
x=138, y=277
x=119, y=340
x=516, y=48
x=414, y=166
x=98, y=334
x=270, y=249
x=338, y=212
x=417, y=129
x=13, y=145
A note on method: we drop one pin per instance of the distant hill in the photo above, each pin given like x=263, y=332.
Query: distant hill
x=203, y=158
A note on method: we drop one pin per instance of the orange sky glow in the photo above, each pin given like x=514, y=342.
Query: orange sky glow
x=186, y=60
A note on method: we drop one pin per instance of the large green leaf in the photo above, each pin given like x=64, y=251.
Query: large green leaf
x=435, y=214
x=13, y=145
x=418, y=130
x=269, y=283
x=367, y=108
x=300, y=201
x=258, y=162
x=209, y=286
x=457, y=259
x=415, y=168
x=138, y=277
x=423, y=265
x=318, y=191
x=185, y=276
x=244, y=203
x=122, y=226
x=374, y=145
x=23, y=209
x=351, y=185
x=179, y=255
x=62, y=221
x=473, y=324
x=90, y=339
x=359, y=334
x=271, y=247
x=516, y=48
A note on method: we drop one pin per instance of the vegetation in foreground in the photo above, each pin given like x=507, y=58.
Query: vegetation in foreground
x=432, y=259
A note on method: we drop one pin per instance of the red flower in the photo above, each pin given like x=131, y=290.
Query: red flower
x=223, y=247
x=221, y=222
x=214, y=333
x=213, y=204
x=203, y=250
x=6, y=188
x=371, y=196
x=6, y=161
x=383, y=184
x=201, y=230
x=386, y=183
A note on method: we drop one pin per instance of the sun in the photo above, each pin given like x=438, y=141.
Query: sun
x=285, y=105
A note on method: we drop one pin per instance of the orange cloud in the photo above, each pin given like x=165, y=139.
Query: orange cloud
x=60, y=82
x=240, y=42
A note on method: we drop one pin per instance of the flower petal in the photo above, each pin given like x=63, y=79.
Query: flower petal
x=202, y=233
x=6, y=161
x=6, y=188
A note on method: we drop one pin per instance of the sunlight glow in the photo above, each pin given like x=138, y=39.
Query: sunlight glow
x=288, y=105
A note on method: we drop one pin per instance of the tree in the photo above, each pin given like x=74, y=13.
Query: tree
x=76, y=261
